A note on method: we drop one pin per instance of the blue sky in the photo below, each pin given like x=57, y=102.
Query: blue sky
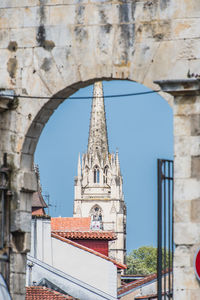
x=141, y=127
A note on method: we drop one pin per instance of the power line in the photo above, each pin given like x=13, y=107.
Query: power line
x=81, y=97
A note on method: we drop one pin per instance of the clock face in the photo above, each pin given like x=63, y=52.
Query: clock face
x=197, y=264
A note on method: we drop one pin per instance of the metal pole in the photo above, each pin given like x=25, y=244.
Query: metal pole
x=159, y=237
x=165, y=232
x=2, y=215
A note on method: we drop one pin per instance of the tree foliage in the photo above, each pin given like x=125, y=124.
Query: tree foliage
x=143, y=261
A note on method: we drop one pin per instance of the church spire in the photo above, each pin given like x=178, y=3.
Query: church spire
x=98, y=140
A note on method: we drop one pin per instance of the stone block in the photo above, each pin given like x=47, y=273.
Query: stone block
x=29, y=182
x=57, y=15
x=28, y=148
x=25, y=37
x=32, y=16
x=186, y=233
x=26, y=161
x=18, y=296
x=182, y=126
x=182, y=211
x=186, y=189
x=195, y=167
x=186, y=9
x=20, y=221
x=60, y=36
x=17, y=284
x=182, y=167
x=185, y=28
x=25, y=202
x=184, y=278
x=182, y=257
x=16, y=3
x=8, y=14
x=186, y=105
x=18, y=263
x=181, y=293
x=21, y=242
x=195, y=124
x=195, y=210
x=194, y=294
x=35, y=129
x=186, y=145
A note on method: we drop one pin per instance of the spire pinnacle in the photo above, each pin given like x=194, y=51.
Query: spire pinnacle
x=98, y=141
x=79, y=167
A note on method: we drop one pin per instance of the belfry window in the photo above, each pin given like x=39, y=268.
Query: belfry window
x=105, y=174
x=96, y=174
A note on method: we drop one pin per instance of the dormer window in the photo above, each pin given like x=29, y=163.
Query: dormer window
x=96, y=174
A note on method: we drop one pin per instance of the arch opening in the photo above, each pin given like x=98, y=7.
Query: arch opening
x=131, y=113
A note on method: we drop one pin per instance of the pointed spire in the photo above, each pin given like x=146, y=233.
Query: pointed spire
x=98, y=141
x=79, y=167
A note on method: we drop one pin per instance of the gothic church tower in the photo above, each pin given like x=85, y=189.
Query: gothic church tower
x=98, y=186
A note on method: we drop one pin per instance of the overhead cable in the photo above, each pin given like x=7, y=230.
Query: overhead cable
x=82, y=97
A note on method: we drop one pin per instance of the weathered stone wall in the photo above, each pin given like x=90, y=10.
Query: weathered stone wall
x=54, y=47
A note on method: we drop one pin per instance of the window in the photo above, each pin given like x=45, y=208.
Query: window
x=96, y=218
x=96, y=174
x=105, y=174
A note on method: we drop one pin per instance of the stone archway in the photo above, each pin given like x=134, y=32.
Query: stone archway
x=54, y=47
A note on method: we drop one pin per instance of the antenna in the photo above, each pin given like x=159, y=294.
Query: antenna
x=49, y=204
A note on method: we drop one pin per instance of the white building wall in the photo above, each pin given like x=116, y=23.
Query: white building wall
x=41, y=239
x=84, y=266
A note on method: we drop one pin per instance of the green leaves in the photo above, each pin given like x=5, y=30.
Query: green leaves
x=143, y=261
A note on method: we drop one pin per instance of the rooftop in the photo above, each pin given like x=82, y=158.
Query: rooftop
x=38, y=200
x=40, y=292
x=70, y=224
x=89, y=235
x=137, y=283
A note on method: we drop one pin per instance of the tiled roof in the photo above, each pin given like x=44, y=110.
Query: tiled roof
x=138, y=283
x=152, y=296
x=37, y=200
x=38, y=211
x=119, y=265
x=89, y=235
x=43, y=293
x=70, y=224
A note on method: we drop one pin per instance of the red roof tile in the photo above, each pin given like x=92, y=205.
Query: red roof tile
x=119, y=265
x=38, y=211
x=137, y=283
x=70, y=224
x=152, y=296
x=87, y=235
x=43, y=293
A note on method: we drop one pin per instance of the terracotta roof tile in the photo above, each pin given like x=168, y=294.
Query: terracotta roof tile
x=137, y=283
x=70, y=224
x=40, y=292
x=38, y=212
x=119, y=265
x=89, y=235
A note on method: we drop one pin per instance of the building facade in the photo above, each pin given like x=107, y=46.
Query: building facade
x=98, y=185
